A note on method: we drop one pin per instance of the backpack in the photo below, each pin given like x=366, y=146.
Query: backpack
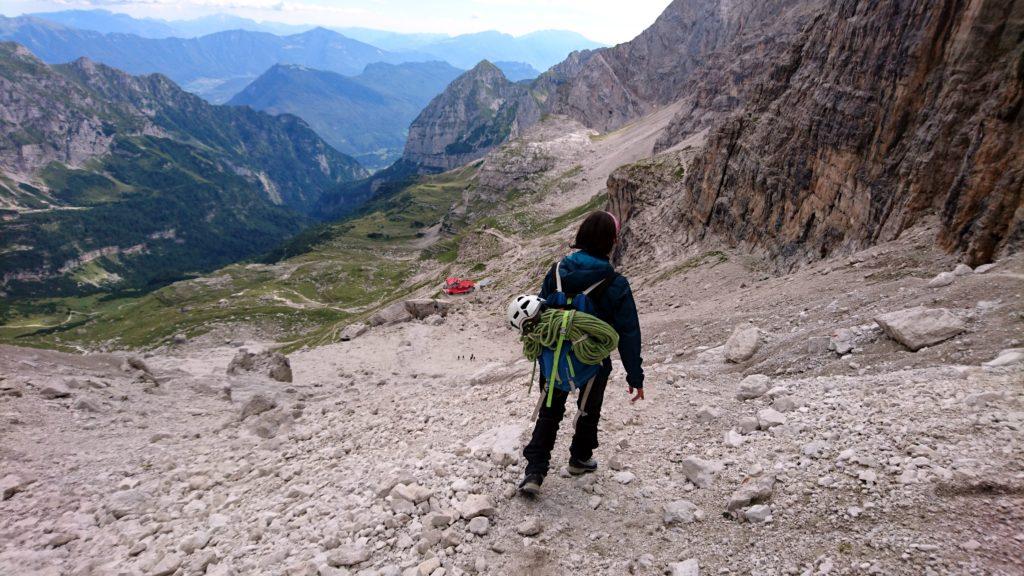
x=559, y=367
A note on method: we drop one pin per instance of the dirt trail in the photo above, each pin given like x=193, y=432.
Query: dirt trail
x=608, y=152
x=888, y=462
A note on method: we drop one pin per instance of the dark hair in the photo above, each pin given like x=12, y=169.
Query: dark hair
x=597, y=234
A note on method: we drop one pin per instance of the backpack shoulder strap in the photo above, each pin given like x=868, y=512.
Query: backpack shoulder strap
x=596, y=291
x=594, y=286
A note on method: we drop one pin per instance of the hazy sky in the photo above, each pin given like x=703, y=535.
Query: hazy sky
x=609, y=21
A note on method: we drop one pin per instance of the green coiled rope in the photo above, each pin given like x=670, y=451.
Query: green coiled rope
x=592, y=339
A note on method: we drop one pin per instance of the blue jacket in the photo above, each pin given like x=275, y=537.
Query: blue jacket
x=579, y=271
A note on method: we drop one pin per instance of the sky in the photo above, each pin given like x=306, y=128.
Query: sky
x=606, y=21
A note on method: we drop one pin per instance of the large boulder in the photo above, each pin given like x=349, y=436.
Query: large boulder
x=393, y=314
x=743, y=344
x=131, y=363
x=681, y=512
x=425, y=307
x=700, y=472
x=918, y=327
x=753, y=386
x=54, y=390
x=353, y=331
x=270, y=423
x=256, y=405
x=411, y=492
x=272, y=364
x=754, y=490
x=1006, y=358
x=842, y=341
x=501, y=444
x=769, y=418
x=11, y=484
x=348, y=555
x=943, y=279
x=127, y=502
x=686, y=568
x=477, y=505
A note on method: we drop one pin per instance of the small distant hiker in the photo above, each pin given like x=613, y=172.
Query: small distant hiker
x=587, y=308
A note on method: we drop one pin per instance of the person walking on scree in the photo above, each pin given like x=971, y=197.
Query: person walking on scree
x=590, y=264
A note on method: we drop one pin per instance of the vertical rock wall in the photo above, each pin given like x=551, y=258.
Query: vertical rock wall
x=883, y=113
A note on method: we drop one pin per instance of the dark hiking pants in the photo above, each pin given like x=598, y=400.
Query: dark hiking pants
x=584, y=439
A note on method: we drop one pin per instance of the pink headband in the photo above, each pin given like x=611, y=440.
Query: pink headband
x=614, y=219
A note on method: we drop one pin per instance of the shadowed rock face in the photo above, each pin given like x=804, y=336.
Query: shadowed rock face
x=881, y=114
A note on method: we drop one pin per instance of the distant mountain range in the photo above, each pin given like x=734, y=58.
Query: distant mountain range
x=517, y=71
x=112, y=22
x=355, y=95
x=112, y=181
x=202, y=65
x=541, y=49
x=366, y=116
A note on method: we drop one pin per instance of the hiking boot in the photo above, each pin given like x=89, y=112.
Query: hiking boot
x=578, y=467
x=530, y=486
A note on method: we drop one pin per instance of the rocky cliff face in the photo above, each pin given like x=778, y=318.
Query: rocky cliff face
x=478, y=111
x=73, y=125
x=882, y=113
x=700, y=51
x=644, y=196
x=282, y=154
x=72, y=114
x=97, y=165
x=695, y=49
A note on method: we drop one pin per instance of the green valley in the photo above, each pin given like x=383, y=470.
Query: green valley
x=117, y=183
x=306, y=290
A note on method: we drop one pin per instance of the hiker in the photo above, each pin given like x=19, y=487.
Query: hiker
x=613, y=303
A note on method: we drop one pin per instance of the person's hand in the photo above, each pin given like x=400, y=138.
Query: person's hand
x=639, y=394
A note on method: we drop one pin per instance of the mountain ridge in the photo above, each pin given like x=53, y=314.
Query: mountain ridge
x=199, y=64
x=366, y=116
x=539, y=49
x=478, y=111
x=120, y=181
x=707, y=60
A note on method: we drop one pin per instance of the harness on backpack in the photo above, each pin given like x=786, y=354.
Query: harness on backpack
x=568, y=342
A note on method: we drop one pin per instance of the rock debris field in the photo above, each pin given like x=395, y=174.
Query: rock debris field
x=785, y=431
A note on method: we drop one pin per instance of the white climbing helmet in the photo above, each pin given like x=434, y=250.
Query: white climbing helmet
x=523, y=308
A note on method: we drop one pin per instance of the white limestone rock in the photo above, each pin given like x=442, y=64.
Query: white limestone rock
x=918, y=327
x=686, y=568
x=681, y=512
x=769, y=418
x=700, y=472
x=742, y=344
x=753, y=386
x=477, y=505
x=943, y=279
